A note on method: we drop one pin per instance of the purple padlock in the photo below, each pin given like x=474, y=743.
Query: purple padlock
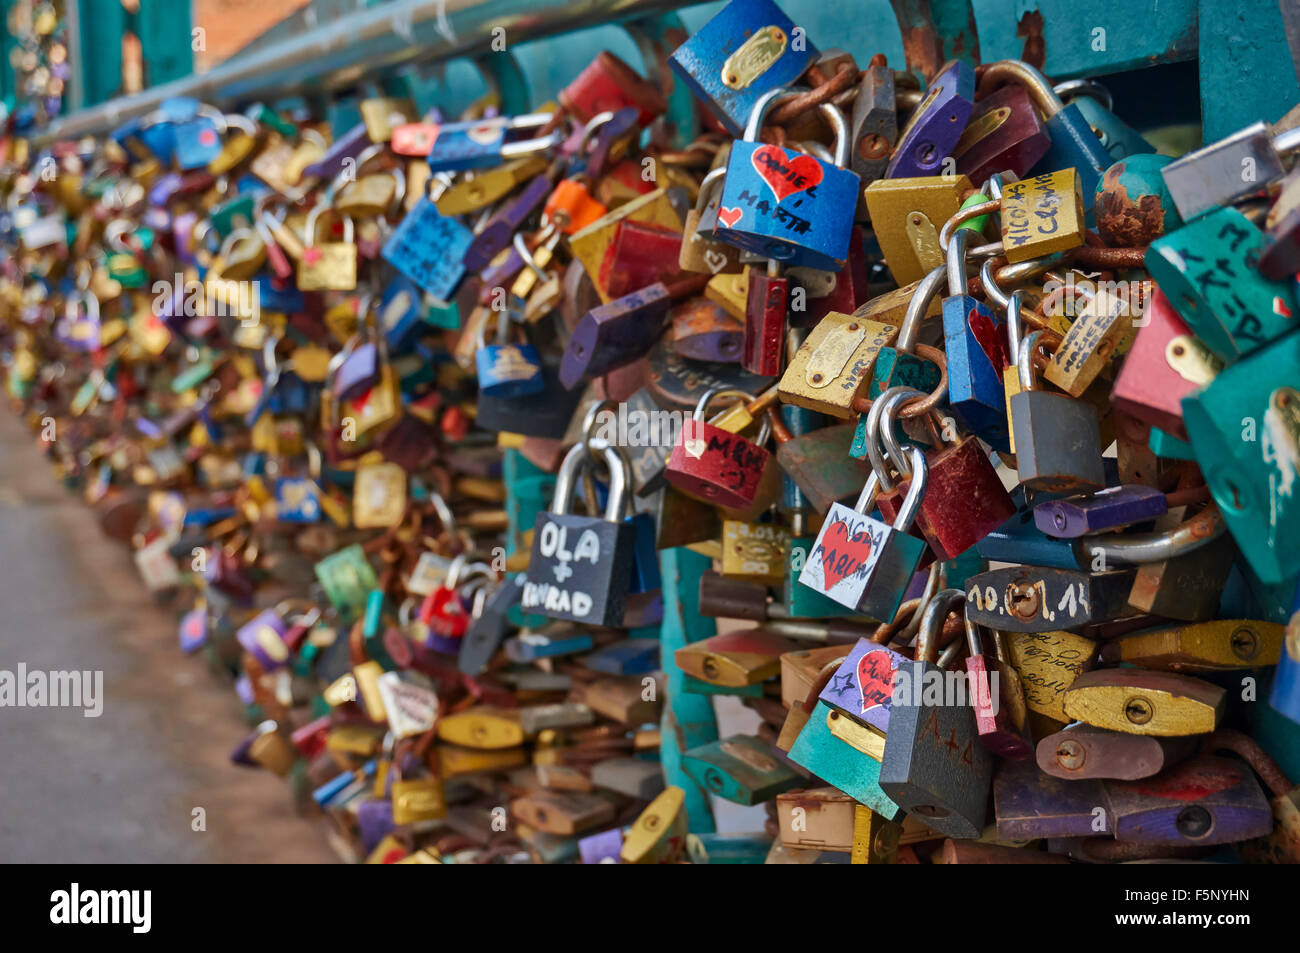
x=348, y=146
x=602, y=848
x=1102, y=510
x=936, y=124
x=263, y=638
x=615, y=334
x=501, y=227
x=375, y=822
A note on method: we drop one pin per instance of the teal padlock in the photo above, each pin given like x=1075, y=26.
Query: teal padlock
x=855, y=772
x=1207, y=271
x=1245, y=430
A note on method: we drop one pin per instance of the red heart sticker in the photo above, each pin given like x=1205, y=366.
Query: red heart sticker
x=876, y=679
x=842, y=554
x=730, y=216
x=783, y=174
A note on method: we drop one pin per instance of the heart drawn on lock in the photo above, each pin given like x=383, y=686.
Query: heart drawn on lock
x=842, y=554
x=694, y=448
x=876, y=679
x=311, y=254
x=784, y=175
x=730, y=216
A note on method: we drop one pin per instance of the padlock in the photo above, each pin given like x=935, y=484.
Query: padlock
x=976, y=351
x=1004, y=134
x=1244, y=429
x=1058, y=440
x=997, y=697
x=817, y=459
x=1029, y=804
x=747, y=49
x=1214, y=176
x=845, y=754
x=965, y=500
x=1218, y=645
x=1090, y=513
x=616, y=334
x=766, y=309
x=936, y=124
x=1165, y=364
x=589, y=583
x=1082, y=751
x=835, y=363
x=1094, y=338
x=1207, y=271
x=874, y=123
x=429, y=249
x=703, y=331
x=699, y=252
x=862, y=563
x=808, y=217
x=1095, y=104
x=1038, y=599
x=715, y=465
x=898, y=365
x=508, y=369
x=329, y=266
x=741, y=769
x=639, y=256
x=481, y=143
x=1145, y=702
x=934, y=764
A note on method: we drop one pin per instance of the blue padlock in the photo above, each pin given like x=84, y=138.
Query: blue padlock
x=785, y=205
x=506, y=369
x=975, y=342
x=1285, y=696
x=400, y=311
x=429, y=248
x=747, y=49
x=1095, y=103
x=297, y=500
x=197, y=141
x=481, y=144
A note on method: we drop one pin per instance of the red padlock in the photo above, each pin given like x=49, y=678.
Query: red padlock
x=765, y=312
x=994, y=700
x=638, y=256
x=716, y=465
x=608, y=85
x=965, y=500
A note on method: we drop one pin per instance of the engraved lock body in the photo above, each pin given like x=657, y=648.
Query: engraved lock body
x=716, y=465
x=789, y=207
x=581, y=566
x=934, y=764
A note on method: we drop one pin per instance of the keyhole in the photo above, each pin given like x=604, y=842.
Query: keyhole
x=1023, y=600
x=931, y=810
x=1070, y=755
x=1138, y=710
x=1194, y=821
x=1245, y=644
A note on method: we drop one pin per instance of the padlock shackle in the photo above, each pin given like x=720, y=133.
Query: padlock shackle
x=937, y=610
x=313, y=218
x=1025, y=360
x=1018, y=71
x=713, y=393
x=1228, y=739
x=926, y=291
x=1015, y=329
x=240, y=234
x=920, y=477
x=1137, y=548
x=890, y=402
x=1090, y=88
x=876, y=450
x=958, y=284
x=839, y=126
x=708, y=184
x=578, y=459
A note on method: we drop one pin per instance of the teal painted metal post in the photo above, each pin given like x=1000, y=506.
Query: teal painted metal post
x=503, y=74
x=935, y=31
x=166, y=40
x=8, y=87
x=101, y=26
x=1244, y=66
x=657, y=37
x=688, y=719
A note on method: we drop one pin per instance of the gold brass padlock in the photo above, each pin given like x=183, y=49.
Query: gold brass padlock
x=835, y=363
x=754, y=551
x=329, y=266
x=907, y=214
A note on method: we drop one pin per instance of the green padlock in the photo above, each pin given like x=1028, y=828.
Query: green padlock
x=1207, y=271
x=1245, y=430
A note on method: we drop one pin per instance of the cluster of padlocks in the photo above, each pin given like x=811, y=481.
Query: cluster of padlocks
x=833, y=389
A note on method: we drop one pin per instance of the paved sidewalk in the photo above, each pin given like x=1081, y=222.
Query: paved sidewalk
x=121, y=787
